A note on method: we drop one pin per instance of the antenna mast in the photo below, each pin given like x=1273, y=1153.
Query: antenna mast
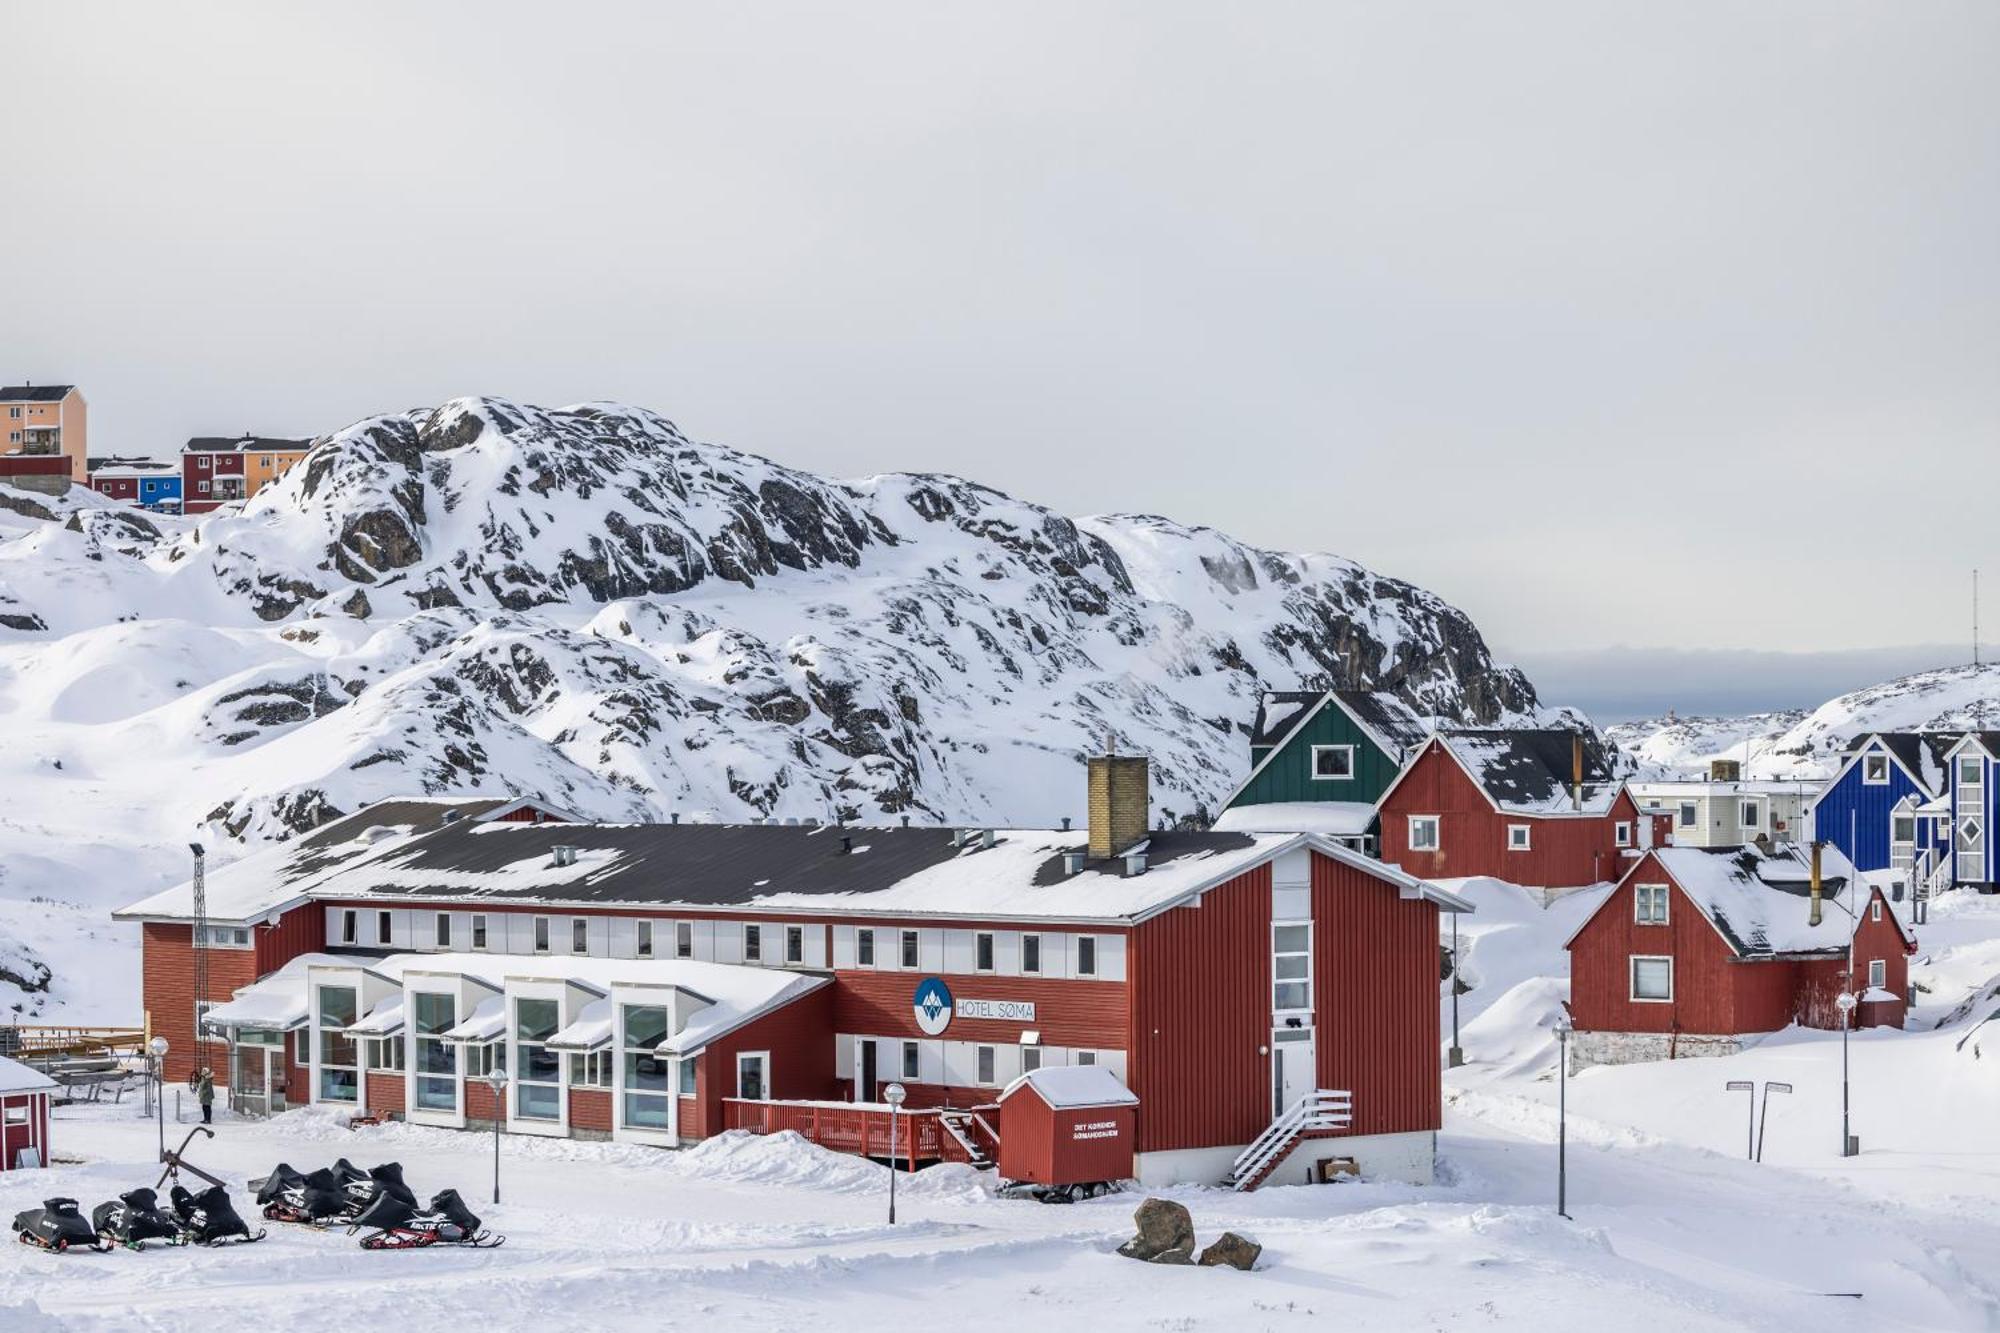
x=200, y=942
x=1975, y=618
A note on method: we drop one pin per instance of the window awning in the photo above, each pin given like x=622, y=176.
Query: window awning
x=384, y=1020
x=278, y=1002
x=590, y=1031
x=486, y=1022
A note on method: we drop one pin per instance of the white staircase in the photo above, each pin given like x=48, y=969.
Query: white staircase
x=959, y=1125
x=1314, y=1114
x=1932, y=874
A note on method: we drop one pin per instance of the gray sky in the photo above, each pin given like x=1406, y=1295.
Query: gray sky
x=1663, y=325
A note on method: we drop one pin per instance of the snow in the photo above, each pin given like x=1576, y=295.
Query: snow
x=1737, y=891
x=486, y=1022
x=280, y=1001
x=1066, y=1087
x=17, y=1077
x=1334, y=819
x=384, y=1020
x=590, y=1029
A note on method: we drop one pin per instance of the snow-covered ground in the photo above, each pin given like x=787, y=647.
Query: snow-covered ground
x=1670, y=1227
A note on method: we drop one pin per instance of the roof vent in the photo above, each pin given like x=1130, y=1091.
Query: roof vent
x=986, y=839
x=1065, y=823
x=906, y=821
x=846, y=845
x=1073, y=862
x=675, y=817
x=1135, y=863
x=450, y=816
x=562, y=854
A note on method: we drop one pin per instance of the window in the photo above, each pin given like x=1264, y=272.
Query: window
x=1968, y=770
x=689, y=1082
x=1031, y=953
x=864, y=948
x=538, y=1083
x=590, y=1069
x=795, y=944
x=1031, y=1059
x=1751, y=815
x=644, y=947
x=1333, y=763
x=202, y=463
x=579, y=935
x=479, y=932
x=1969, y=829
x=347, y=926
x=1878, y=971
x=683, y=939
x=1649, y=904
x=17, y=1115
x=753, y=944
x=302, y=1047
x=1875, y=910
x=444, y=930
x=1875, y=769
x=986, y=1074
x=1517, y=837
x=982, y=952
x=226, y=937
x=1086, y=955
x=385, y=923
x=1652, y=979
x=912, y=1060
x=909, y=948
x=437, y=1059
x=1423, y=833
x=338, y=1059
x=1086, y=1057
x=483, y=1060
x=645, y=1071
x=753, y=1076
x=14, y=413
x=202, y=486
x=385, y=1053
x=1291, y=966
x=541, y=934
x=1903, y=828
x=1621, y=833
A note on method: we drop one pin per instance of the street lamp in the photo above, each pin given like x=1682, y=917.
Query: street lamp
x=1562, y=1115
x=893, y=1094
x=497, y=1080
x=158, y=1047
x=1845, y=1003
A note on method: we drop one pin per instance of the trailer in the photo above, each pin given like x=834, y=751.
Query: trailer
x=1067, y=1132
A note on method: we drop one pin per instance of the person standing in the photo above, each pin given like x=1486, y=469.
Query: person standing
x=204, y=1092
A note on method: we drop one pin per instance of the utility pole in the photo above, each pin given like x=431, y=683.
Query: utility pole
x=200, y=943
x=1457, y=1054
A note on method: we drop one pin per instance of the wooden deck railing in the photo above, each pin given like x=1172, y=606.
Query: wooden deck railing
x=860, y=1128
x=32, y=1042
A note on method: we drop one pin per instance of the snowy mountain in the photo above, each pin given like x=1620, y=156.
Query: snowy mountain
x=584, y=606
x=1810, y=745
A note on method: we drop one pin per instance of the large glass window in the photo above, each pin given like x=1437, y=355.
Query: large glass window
x=1652, y=979
x=646, y=1088
x=437, y=1059
x=1291, y=967
x=338, y=1060
x=538, y=1077
x=688, y=1076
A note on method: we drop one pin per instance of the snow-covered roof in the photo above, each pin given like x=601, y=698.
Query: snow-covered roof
x=384, y=1020
x=279, y=1001
x=1760, y=903
x=17, y=1077
x=486, y=1022
x=1531, y=771
x=590, y=1030
x=1067, y=1087
x=1335, y=819
x=1705, y=787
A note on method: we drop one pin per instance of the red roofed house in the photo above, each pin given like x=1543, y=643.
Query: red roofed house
x=1698, y=948
x=1530, y=807
x=24, y=1115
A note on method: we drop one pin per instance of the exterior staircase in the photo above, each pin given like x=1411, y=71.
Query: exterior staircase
x=1315, y=1115
x=972, y=1134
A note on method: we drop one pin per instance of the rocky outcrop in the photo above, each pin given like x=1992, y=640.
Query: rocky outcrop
x=1231, y=1251
x=1164, y=1235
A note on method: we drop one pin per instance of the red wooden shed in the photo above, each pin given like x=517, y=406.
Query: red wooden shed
x=1067, y=1125
x=24, y=1115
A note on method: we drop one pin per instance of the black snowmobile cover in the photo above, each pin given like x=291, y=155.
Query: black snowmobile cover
x=386, y=1210
x=283, y=1177
x=323, y=1194
x=57, y=1220
x=388, y=1177
x=449, y=1206
x=347, y=1171
x=134, y=1216
x=219, y=1219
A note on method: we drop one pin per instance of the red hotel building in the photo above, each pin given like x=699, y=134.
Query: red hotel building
x=663, y=983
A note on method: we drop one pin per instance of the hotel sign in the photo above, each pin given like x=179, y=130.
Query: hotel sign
x=1005, y=1011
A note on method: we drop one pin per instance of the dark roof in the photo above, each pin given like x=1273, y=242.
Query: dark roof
x=217, y=444
x=1921, y=752
x=723, y=865
x=1279, y=713
x=36, y=393
x=1534, y=769
x=115, y=461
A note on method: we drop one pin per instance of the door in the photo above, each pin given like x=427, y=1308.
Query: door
x=866, y=1091
x=752, y=1076
x=1293, y=1071
x=249, y=1084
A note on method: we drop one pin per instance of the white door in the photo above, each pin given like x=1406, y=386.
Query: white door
x=1293, y=1070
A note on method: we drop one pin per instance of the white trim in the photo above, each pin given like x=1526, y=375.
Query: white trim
x=1309, y=980
x=1315, y=775
x=765, y=1056
x=1632, y=962
x=1666, y=901
x=1868, y=759
x=1436, y=842
x=1393, y=753
x=1878, y=972
x=1621, y=833
x=1527, y=842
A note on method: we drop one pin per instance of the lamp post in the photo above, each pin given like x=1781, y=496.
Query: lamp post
x=893, y=1094
x=158, y=1048
x=1845, y=1003
x=497, y=1080
x=1562, y=1115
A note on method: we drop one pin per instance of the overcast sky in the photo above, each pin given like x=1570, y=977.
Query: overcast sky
x=1659, y=325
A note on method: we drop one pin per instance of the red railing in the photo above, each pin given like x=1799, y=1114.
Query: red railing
x=861, y=1129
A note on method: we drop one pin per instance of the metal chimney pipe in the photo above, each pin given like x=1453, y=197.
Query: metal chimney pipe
x=1817, y=906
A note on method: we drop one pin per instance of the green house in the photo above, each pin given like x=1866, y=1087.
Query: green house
x=1320, y=760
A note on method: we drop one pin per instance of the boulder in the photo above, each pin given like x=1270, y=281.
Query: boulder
x=1165, y=1233
x=1231, y=1251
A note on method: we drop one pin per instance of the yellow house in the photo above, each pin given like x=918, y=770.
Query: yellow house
x=45, y=421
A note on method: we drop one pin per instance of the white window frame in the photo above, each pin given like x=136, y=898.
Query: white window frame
x=683, y=939
x=1978, y=778
x=765, y=1056
x=1632, y=978
x=480, y=938
x=385, y=927
x=1319, y=750
x=642, y=939
x=1086, y=956
x=1873, y=761
x=441, y=931
x=909, y=951
x=1878, y=972
x=795, y=945
x=1646, y=895
x=1086, y=1057
x=1308, y=981
x=753, y=942
x=350, y=925
x=864, y=946
x=982, y=944
x=579, y=935
x=985, y=1065
x=913, y=1061
x=1436, y=840
x=1875, y=910
x=1524, y=842
x=1621, y=833
x=1034, y=939
x=540, y=941
x=1750, y=813
x=1689, y=815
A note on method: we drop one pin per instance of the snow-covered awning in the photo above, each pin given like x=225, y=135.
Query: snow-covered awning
x=590, y=1031
x=486, y=1022
x=278, y=1002
x=384, y=1020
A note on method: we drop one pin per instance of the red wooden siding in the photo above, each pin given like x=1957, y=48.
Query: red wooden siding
x=1565, y=850
x=800, y=1039
x=1067, y=1013
x=1375, y=977
x=1201, y=1018
x=33, y=1133
x=167, y=991
x=1066, y=1146
x=299, y=931
x=385, y=1093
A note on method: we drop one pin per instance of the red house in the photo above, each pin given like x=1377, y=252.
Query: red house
x=1540, y=808
x=24, y=1115
x=1700, y=947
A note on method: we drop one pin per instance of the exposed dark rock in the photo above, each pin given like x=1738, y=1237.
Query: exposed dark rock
x=1231, y=1251
x=1165, y=1233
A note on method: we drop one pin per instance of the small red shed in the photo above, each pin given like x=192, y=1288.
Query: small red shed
x=1067, y=1125
x=24, y=1115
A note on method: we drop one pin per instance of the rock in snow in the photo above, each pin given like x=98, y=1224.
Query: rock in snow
x=1165, y=1233
x=584, y=606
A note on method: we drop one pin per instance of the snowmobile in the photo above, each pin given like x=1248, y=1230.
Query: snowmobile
x=404, y=1226
x=209, y=1218
x=57, y=1225
x=134, y=1218
x=317, y=1198
x=283, y=1177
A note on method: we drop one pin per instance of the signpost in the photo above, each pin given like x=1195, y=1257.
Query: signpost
x=1764, y=1116
x=1749, y=1086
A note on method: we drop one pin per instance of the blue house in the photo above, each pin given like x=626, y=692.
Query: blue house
x=1889, y=777
x=1972, y=800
